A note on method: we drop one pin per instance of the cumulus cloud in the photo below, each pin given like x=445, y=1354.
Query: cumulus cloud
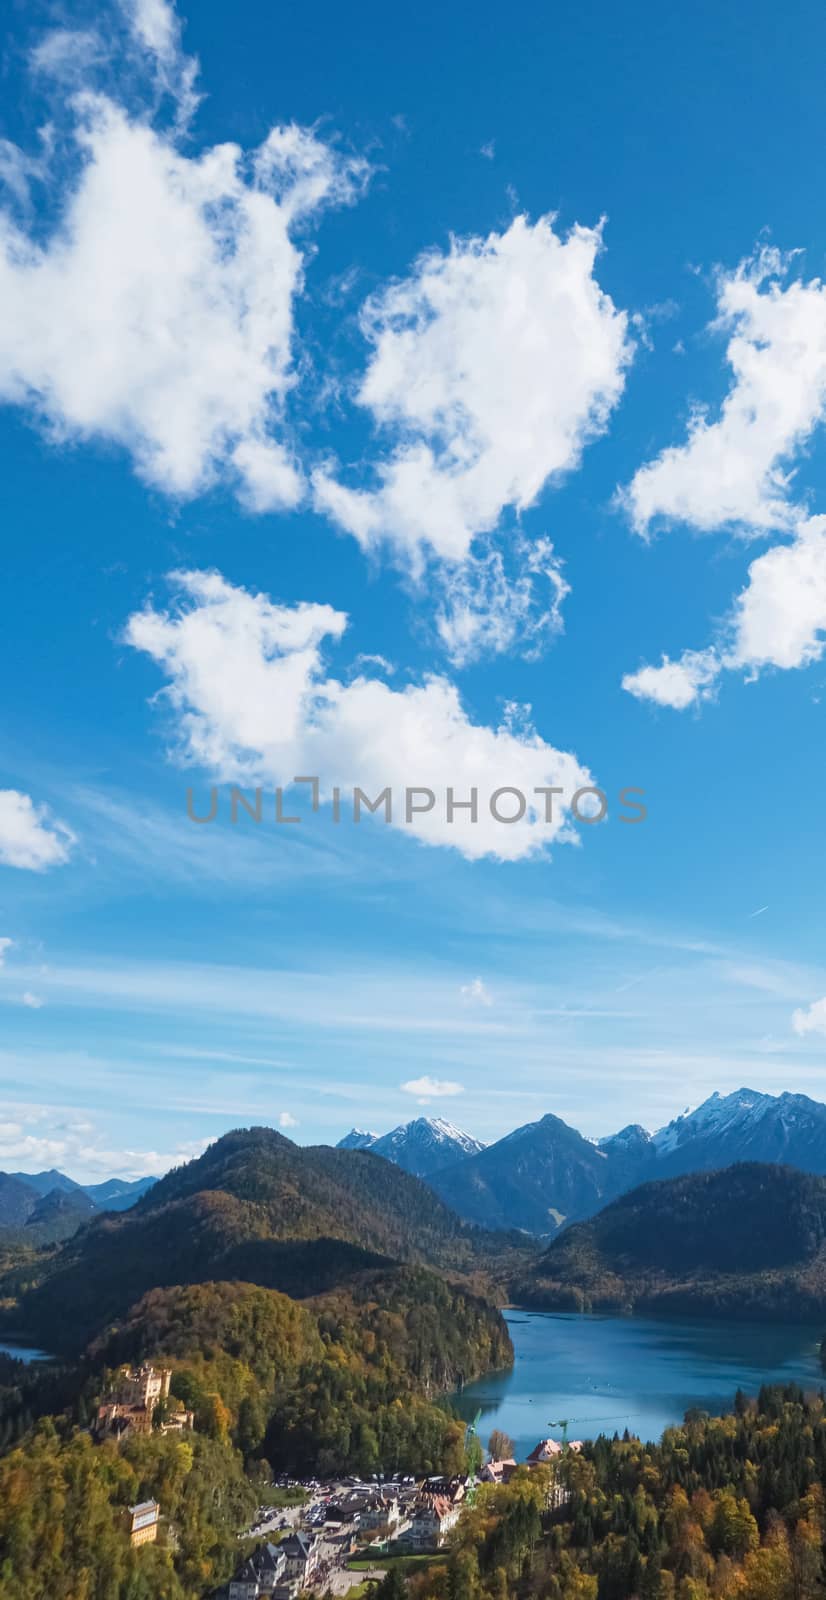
x=34, y=1137
x=778, y=620
x=33, y=1002
x=679, y=683
x=734, y=471
x=29, y=836
x=426, y=1088
x=492, y=366
x=810, y=1019
x=476, y=993
x=287, y=1120
x=158, y=313
x=251, y=700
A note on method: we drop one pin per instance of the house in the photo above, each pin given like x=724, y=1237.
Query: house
x=431, y=1522
x=143, y=1522
x=543, y=1453
x=299, y=1559
x=452, y=1489
x=498, y=1471
x=380, y=1511
x=548, y=1450
x=260, y=1574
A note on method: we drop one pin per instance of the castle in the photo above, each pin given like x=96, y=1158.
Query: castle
x=133, y=1400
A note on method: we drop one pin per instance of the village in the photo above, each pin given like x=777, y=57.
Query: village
x=330, y=1537
x=348, y=1531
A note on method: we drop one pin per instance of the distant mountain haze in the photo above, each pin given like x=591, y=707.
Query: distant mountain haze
x=45, y=1207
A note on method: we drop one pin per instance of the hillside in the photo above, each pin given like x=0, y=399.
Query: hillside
x=254, y=1207
x=749, y=1241
x=744, y=1126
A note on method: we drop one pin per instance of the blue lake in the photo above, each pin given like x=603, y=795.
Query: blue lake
x=610, y=1373
x=23, y=1352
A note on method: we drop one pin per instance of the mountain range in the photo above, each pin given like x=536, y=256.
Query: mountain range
x=544, y=1175
x=49, y=1206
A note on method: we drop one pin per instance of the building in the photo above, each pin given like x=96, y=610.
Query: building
x=143, y=1522
x=299, y=1559
x=431, y=1523
x=543, y=1453
x=260, y=1575
x=133, y=1399
x=498, y=1471
x=380, y=1511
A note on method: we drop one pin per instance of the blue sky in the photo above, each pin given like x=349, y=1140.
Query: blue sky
x=467, y=373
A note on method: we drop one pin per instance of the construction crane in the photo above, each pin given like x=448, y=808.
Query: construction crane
x=471, y=1433
x=564, y=1423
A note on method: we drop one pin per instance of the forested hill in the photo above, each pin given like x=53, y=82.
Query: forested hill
x=342, y=1373
x=749, y=1241
x=254, y=1207
x=309, y=1191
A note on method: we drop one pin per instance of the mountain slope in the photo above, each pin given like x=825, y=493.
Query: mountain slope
x=59, y=1214
x=357, y=1139
x=426, y=1145
x=17, y=1200
x=536, y=1178
x=747, y=1241
x=117, y=1194
x=744, y=1126
x=257, y=1207
x=44, y=1182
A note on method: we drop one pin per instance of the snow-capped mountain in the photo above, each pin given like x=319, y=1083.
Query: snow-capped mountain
x=744, y=1126
x=543, y=1175
x=357, y=1139
x=425, y=1145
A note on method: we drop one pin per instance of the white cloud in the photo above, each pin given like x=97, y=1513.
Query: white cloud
x=156, y=28
x=483, y=609
x=251, y=701
x=29, y=836
x=32, y=1001
x=5, y=944
x=777, y=620
x=476, y=993
x=678, y=683
x=812, y=1019
x=287, y=1120
x=492, y=366
x=427, y=1088
x=735, y=469
x=34, y=1137
x=158, y=313
x=67, y=55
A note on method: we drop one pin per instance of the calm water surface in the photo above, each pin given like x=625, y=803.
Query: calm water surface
x=611, y=1373
x=24, y=1352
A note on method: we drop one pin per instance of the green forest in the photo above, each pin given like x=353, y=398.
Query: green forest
x=722, y=1507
